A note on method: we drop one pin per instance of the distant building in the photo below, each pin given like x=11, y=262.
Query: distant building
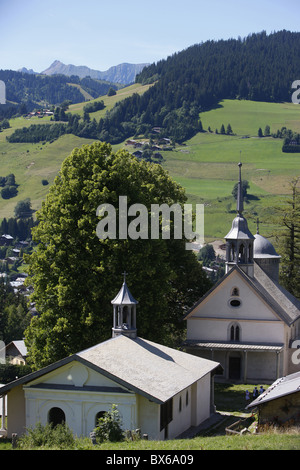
x=16, y=352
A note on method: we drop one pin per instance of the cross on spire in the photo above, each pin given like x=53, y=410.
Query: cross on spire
x=240, y=205
x=124, y=274
x=257, y=225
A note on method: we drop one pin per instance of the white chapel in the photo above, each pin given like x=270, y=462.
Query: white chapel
x=160, y=390
x=247, y=322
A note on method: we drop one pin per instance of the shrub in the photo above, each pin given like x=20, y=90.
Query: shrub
x=110, y=426
x=58, y=437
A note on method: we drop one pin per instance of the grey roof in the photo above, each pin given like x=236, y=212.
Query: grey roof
x=154, y=370
x=280, y=388
x=124, y=296
x=20, y=345
x=263, y=248
x=150, y=369
x=283, y=302
x=239, y=230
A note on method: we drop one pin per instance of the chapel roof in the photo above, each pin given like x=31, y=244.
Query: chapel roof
x=150, y=369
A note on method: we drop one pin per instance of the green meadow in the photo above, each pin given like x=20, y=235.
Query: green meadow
x=206, y=165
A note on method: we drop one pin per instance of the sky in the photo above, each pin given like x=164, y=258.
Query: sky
x=104, y=33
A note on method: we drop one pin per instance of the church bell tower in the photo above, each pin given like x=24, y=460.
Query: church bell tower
x=239, y=241
x=124, y=316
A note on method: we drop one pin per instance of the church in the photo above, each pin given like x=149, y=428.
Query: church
x=247, y=322
x=157, y=389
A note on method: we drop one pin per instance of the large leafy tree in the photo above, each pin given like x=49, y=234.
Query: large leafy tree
x=76, y=275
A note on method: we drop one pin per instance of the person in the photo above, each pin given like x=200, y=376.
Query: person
x=247, y=396
x=261, y=390
x=255, y=393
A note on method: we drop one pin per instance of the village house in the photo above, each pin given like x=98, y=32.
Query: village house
x=16, y=352
x=158, y=389
x=247, y=322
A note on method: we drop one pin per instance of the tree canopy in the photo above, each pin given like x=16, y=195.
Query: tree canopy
x=76, y=275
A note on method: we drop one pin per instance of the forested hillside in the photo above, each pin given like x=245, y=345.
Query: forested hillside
x=30, y=90
x=259, y=67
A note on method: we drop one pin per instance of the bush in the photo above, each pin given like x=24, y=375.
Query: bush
x=110, y=426
x=58, y=437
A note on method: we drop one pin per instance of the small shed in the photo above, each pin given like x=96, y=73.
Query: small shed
x=280, y=403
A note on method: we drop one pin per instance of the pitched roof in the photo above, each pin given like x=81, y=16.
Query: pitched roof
x=284, y=304
x=150, y=369
x=280, y=388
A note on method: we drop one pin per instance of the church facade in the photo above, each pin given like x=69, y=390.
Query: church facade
x=247, y=322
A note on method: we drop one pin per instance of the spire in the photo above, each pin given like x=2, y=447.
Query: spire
x=240, y=204
x=239, y=240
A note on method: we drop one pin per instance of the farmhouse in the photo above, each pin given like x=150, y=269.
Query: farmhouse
x=248, y=322
x=160, y=390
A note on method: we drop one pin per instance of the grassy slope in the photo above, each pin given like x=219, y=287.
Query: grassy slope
x=206, y=166
x=33, y=162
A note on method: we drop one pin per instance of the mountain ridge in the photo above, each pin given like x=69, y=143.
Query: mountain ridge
x=124, y=73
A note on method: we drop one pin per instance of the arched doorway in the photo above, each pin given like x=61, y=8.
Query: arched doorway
x=99, y=415
x=56, y=416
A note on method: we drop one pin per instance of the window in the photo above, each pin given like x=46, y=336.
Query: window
x=235, y=331
x=187, y=398
x=235, y=292
x=180, y=404
x=56, y=416
x=235, y=303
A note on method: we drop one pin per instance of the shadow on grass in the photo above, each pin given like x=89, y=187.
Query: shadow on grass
x=232, y=397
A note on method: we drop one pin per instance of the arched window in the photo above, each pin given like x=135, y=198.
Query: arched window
x=234, y=332
x=56, y=416
x=180, y=404
x=235, y=292
x=242, y=254
x=99, y=415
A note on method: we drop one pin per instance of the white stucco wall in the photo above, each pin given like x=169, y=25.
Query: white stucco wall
x=212, y=319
